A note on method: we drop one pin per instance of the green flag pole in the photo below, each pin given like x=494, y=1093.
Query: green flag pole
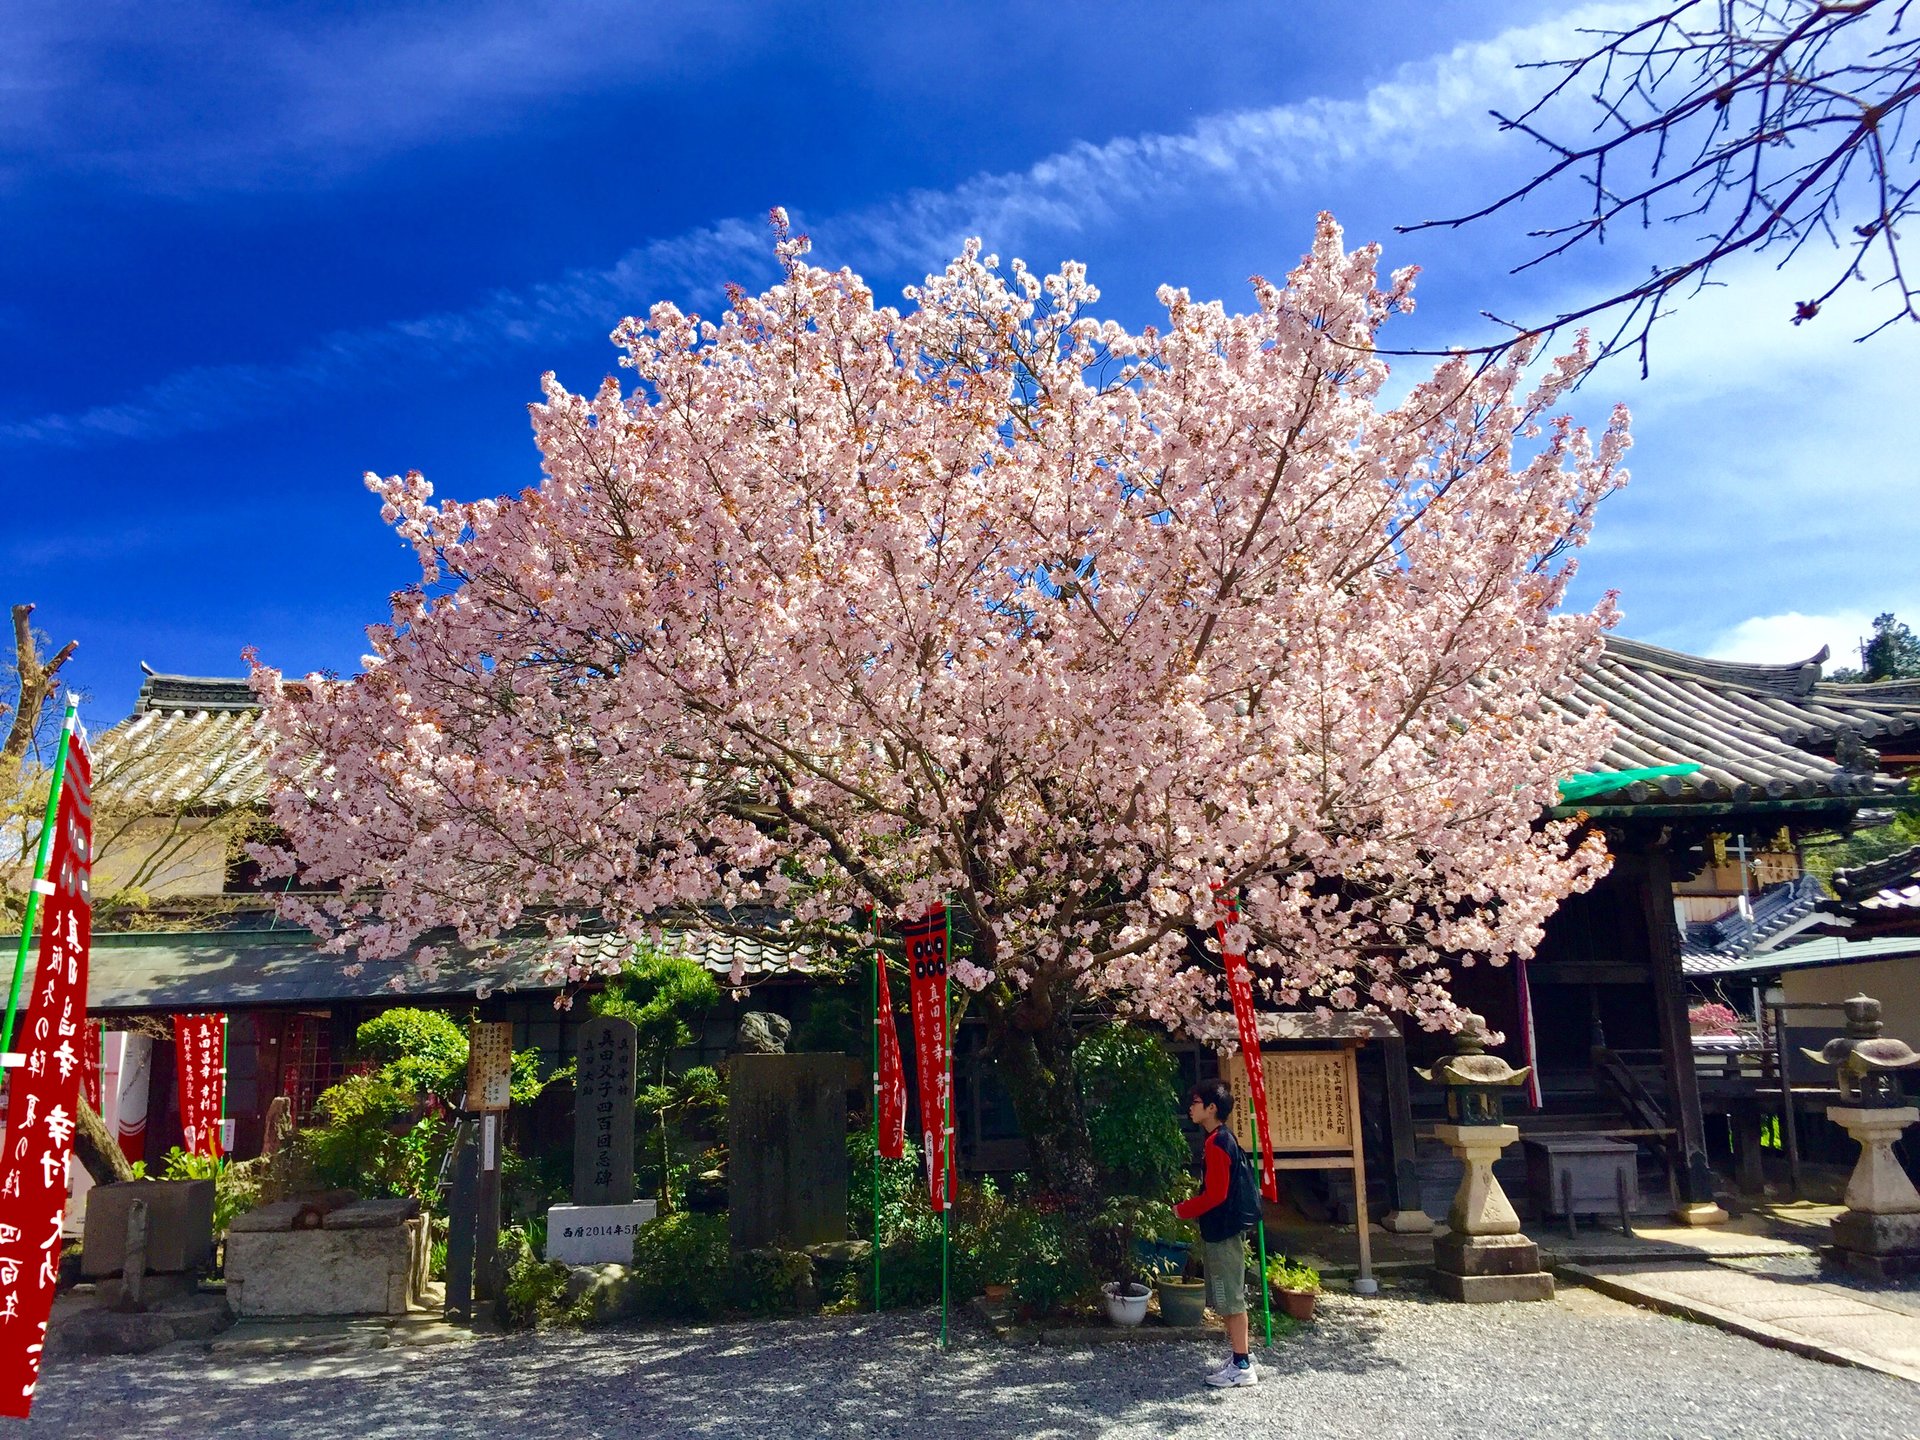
x=41, y=858
x=946, y=1177
x=1266, y=1291
x=879, y=959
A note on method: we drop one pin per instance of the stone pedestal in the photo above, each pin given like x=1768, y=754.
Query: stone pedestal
x=1879, y=1233
x=1408, y=1222
x=596, y=1234
x=1485, y=1258
x=368, y=1258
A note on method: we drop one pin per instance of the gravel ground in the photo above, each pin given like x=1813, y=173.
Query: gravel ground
x=1399, y=1365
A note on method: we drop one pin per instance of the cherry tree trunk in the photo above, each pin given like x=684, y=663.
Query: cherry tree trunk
x=1030, y=1042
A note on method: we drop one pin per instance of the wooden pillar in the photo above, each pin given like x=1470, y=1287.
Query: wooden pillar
x=1405, y=1213
x=1694, y=1204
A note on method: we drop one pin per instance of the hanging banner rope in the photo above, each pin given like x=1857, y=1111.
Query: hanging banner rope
x=926, y=946
x=1240, y=991
x=43, y=1089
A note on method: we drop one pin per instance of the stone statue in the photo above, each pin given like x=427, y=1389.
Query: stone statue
x=763, y=1033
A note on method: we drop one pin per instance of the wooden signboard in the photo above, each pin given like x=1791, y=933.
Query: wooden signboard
x=1313, y=1118
x=489, y=1065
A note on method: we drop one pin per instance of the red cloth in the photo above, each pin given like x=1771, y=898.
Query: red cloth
x=202, y=1064
x=890, y=1084
x=926, y=944
x=41, y=1095
x=1240, y=990
x=1213, y=1190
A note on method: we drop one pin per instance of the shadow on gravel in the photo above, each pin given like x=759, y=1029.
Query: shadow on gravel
x=853, y=1376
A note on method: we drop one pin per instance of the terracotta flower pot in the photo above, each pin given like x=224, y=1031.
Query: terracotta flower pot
x=1297, y=1304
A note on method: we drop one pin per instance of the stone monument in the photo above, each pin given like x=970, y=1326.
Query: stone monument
x=598, y=1227
x=1878, y=1234
x=787, y=1150
x=1484, y=1256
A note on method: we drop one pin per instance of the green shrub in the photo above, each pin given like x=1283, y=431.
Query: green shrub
x=902, y=1185
x=774, y=1282
x=680, y=1266
x=371, y=1138
x=1129, y=1086
x=420, y=1050
x=535, y=1291
x=1054, y=1266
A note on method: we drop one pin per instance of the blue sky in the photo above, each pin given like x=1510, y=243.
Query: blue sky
x=253, y=250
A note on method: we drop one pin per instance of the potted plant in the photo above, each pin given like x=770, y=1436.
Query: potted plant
x=1183, y=1302
x=1125, y=1301
x=1294, y=1285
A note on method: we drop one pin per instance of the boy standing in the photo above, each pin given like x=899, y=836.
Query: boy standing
x=1222, y=1233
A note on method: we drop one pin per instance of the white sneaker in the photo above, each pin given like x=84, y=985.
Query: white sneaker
x=1234, y=1375
x=1222, y=1368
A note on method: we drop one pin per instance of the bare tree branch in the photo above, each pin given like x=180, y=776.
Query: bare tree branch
x=1767, y=122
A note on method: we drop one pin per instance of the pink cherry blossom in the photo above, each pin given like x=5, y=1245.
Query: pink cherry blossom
x=988, y=600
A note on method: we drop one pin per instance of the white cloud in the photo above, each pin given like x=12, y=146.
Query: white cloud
x=1782, y=639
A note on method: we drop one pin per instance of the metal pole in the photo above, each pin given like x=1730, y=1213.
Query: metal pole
x=946, y=1178
x=1787, y=1123
x=41, y=857
x=879, y=959
x=1266, y=1290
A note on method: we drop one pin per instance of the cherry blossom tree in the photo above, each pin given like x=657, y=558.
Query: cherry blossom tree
x=989, y=601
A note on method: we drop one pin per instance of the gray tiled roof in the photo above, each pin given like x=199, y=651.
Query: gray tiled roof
x=1712, y=947
x=1883, y=889
x=237, y=968
x=1756, y=731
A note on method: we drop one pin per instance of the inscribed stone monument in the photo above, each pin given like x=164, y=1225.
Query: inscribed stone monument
x=603, y=1114
x=787, y=1150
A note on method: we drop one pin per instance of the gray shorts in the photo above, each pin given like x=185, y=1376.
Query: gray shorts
x=1226, y=1265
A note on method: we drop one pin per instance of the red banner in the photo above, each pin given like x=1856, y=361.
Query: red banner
x=1240, y=990
x=197, y=1049
x=890, y=1084
x=90, y=1066
x=41, y=1095
x=926, y=944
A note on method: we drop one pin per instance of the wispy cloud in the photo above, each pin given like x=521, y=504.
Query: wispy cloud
x=1428, y=114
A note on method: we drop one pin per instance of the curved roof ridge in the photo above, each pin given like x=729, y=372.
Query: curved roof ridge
x=1797, y=679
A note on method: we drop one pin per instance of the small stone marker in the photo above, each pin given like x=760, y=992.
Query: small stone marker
x=603, y=1114
x=490, y=1065
x=596, y=1234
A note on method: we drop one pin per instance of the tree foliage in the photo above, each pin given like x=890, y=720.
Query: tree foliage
x=1892, y=652
x=990, y=599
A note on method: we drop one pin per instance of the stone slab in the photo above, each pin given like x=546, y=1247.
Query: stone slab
x=787, y=1150
x=1486, y=1255
x=596, y=1234
x=179, y=1226
x=1877, y=1234
x=1492, y=1289
x=372, y=1214
x=325, y=1272
x=1883, y=1337
x=273, y=1219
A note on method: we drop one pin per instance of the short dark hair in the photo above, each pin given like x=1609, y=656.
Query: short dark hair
x=1214, y=1093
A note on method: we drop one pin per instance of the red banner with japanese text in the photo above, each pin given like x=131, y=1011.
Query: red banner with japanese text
x=1240, y=991
x=202, y=1066
x=42, y=1093
x=90, y=1066
x=890, y=1082
x=926, y=946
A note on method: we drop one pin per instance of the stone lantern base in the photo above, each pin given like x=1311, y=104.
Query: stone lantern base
x=1488, y=1268
x=1878, y=1235
x=1484, y=1257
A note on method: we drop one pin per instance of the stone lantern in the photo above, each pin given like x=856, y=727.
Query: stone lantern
x=1484, y=1256
x=1878, y=1235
